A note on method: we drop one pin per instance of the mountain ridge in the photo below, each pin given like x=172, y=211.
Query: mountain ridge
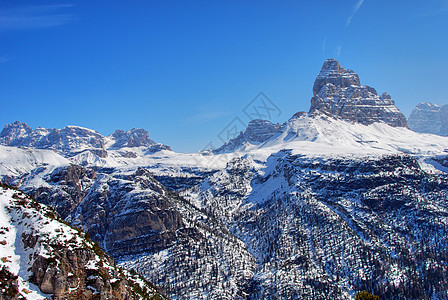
x=73, y=140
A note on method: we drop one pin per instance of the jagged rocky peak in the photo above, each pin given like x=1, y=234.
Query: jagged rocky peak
x=428, y=117
x=81, y=135
x=132, y=138
x=332, y=72
x=136, y=137
x=258, y=131
x=14, y=131
x=69, y=140
x=73, y=140
x=338, y=92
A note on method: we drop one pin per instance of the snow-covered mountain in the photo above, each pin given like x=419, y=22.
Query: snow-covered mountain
x=42, y=257
x=341, y=199
x=319, y=134
x=427, y=117
x=135, y=138
x=74, y=140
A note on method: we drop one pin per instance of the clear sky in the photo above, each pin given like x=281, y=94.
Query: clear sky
x=183, y=70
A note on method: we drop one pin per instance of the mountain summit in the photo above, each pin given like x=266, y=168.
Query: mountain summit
x=338, y=92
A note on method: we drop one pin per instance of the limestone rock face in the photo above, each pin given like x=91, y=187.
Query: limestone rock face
x=72, y=180
x=127, y=214
x=14, y=131
x=133, y=214
x=135, y=138
x=338, y=92
x=427, y=117
x=68, y=141
x=332, y=72
x=259, y=131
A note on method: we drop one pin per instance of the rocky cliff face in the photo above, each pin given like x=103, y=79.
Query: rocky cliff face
x=126, y=213
x=42, y=256
x=257, y=132
x=69, y=141
x=429, y=118
x=136, y=138
x=338, y=92
x=14, y=132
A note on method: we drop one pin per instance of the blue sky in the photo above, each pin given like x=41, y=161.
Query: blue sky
x=184, y=70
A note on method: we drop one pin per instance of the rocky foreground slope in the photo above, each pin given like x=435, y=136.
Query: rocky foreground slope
x=41, y=257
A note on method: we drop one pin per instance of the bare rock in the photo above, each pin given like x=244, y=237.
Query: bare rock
x=427, y=117
x=338, y=92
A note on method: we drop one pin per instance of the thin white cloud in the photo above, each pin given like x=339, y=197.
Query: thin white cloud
x=204, y=116
x=338, y=51
x=34, y=17
x=355, y=9
x=324, y=43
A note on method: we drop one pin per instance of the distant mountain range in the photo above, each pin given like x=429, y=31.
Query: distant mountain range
x=338, y=200
x=74, y=140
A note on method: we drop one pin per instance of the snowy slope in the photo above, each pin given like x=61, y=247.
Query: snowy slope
x=317, y=135
x=13, y=255
x=327, y=135
x=15, y=161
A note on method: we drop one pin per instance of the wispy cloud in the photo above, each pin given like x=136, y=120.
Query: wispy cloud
x=324, y=43
x=355, y=9
x=204, y=116
x=34, y=17
x=338, y=51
